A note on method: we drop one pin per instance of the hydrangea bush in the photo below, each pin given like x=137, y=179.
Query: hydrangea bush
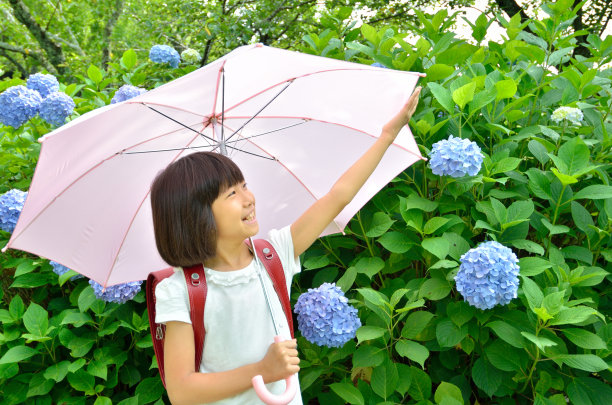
x=117, y=293
x=56, y=107
x=455, y=157
x=18, y=104
x=11, y=204
x=542, y=192
x=44, y=84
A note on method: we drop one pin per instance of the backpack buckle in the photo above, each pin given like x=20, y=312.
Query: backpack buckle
x=159, y=333
x=267, y=253
x=195, y=279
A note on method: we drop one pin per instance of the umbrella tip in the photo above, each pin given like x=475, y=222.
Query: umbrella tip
x=4, y=249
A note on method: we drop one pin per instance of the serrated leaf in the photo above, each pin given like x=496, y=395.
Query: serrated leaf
x=367, y=332
x=584, y=339
x=396, y=242
x=586, y=362
x=447, y=390
x=464, y=94
x=17, y=353
x=412, y=350
x=486, y=377
x=36, y=320
x=348, y=393
x=384, y=379
x=434, y=289
x=539, y=341
x=434, y=224
x=369, y=266
x=448, y=334
x=381, y=223
x=438, y=247
x=595, y=192
x=573, y=315
x=442, y=96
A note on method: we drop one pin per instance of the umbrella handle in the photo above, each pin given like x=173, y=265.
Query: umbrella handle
x=269, y=398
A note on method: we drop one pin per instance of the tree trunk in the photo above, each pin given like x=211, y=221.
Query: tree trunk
x=54, y=51
x=108, y=30
x=578, y=25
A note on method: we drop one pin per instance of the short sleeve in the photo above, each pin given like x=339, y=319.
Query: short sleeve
x=171, y=300
x=283, y=243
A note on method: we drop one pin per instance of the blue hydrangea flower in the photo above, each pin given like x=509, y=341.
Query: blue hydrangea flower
x=573, y=115
x=18, y=104
x=324, y=316
x=42, y=83
x=11, y=204
x=455, y=157
x=60, y=269
x=56, y=107
x=164, y=54
x=117, y=293
x=191, y=56
x=376, y=64
x=488, y=275
x=126, y=92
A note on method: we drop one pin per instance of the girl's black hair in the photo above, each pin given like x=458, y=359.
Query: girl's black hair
x=181, y=201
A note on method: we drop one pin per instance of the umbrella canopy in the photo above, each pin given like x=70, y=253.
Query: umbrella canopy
x=292, y=122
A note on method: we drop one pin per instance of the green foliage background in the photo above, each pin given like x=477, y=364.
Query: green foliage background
x=544, y=190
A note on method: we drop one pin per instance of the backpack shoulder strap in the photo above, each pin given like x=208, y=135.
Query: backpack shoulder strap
x=197, y=289
x=271, y=261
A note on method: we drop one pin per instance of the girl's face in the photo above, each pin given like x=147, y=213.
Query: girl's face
x=234, y=212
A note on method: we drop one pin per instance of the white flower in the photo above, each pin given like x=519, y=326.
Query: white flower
x=574, y=115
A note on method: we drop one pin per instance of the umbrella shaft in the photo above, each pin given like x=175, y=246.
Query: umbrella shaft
x=265, y=289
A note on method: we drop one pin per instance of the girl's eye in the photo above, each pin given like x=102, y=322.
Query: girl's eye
x=244, y=186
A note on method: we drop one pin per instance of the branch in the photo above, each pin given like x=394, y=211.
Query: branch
x=108, y=30
x=75, y=42
x=511, y=8
x=14, y=62
x=38, y=56
x=53, y=50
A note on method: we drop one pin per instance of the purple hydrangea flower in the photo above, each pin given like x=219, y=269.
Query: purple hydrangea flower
x=126, y=92
x=60, y=269
x=116, y=293
x=455, y=157
x=18, y=104
x=11, y=204
x=324, y=316
x=56, y=107
x=42, y=83
x=164, y=54
x=488, y=275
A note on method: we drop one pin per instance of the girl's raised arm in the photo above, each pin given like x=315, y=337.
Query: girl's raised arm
x=307, y=228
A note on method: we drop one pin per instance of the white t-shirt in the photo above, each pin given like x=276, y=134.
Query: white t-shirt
x=238, y=324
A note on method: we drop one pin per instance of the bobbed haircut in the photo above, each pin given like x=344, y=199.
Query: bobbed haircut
x=181, y=201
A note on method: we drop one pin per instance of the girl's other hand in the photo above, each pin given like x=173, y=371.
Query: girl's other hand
x=393, y=127
x=280, y=362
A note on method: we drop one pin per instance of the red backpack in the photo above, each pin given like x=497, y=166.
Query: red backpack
x=197, y=289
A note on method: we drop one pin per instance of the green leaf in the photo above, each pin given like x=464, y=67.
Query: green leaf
x=375, y=297
x=415, y=323
x=582, y=218
x=434, y=224
x=586, y=362
x=348, y=392
x=150, y=389
x=532, y=293
x=348, y=278
x=486, y=377
x=94, y=74
x=505, y=89
x=57, y=372
x=439, y=71
x=17, y=353
x=369, y=266
x=434, y=289
x=420, y=387
x=507, y=333
x=396, y=242
x=539, y=151
x=595, y=192
x=384, y=379
x=553, y=302
x=575, y=155
x=317, y=262
x=443, y=96
x=573, y=315
x=86, y=299
x=370, y=34
x=588, y=391
x=129, y=59
x=584, y=339
x=368, y=356
x=505, y=357
x=532, y=266
x=413, y=201
x=464, y=94
x=82, y=381
x=460, y=312
x=366, y=332
x=539, y=341
x=438, y=247
x=36, y=320
x=381, y=223
x=528, y=245
x=103, y=401
x=412, y=350
x=16, y=308
x=448, y=334
x=448, y=390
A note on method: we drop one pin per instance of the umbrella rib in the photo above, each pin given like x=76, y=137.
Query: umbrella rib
x=269, y=132
x=262, y=108
x=180, y=123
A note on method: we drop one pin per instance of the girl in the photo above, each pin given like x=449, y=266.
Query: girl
x=202, y=213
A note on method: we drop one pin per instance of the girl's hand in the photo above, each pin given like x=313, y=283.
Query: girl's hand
x=393, y=127
x=280, y=362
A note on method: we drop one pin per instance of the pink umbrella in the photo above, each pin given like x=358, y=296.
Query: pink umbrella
x=292, y=122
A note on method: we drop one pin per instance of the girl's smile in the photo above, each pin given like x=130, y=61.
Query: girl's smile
x=235, y=203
